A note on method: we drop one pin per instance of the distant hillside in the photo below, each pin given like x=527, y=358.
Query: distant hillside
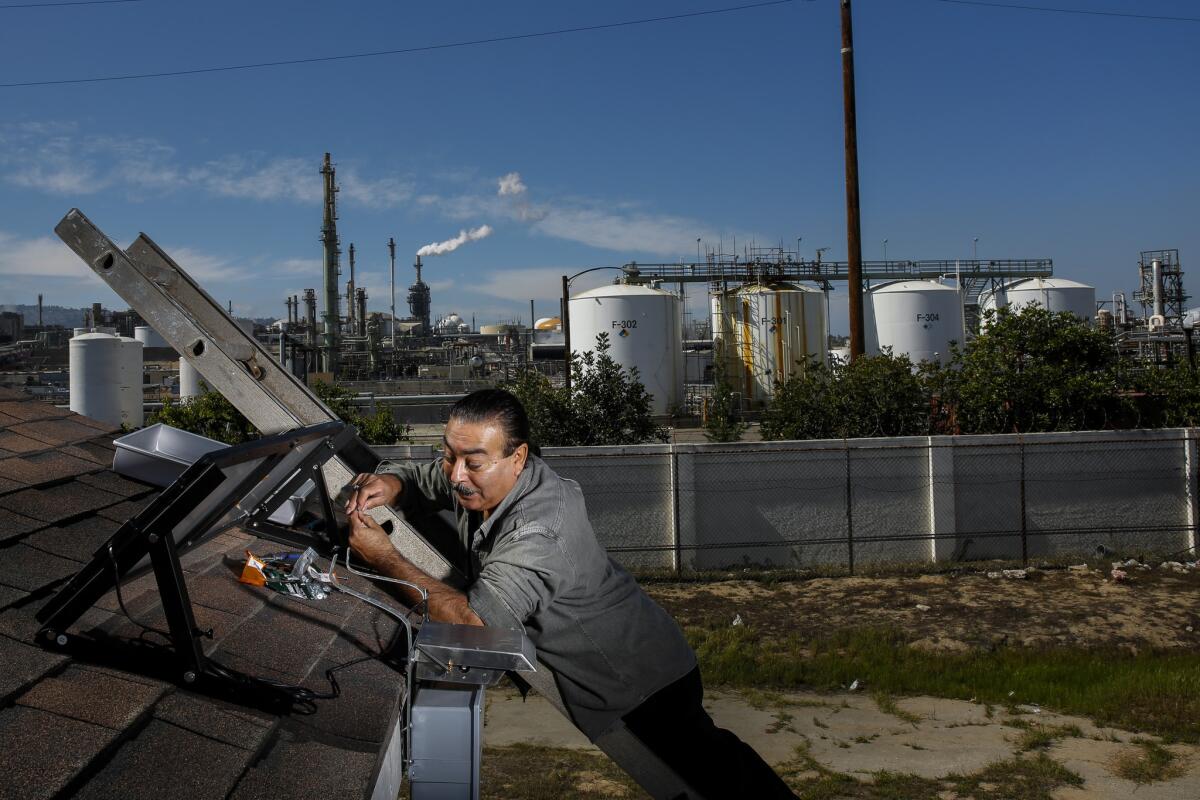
x=51, y=315
x=71, y=317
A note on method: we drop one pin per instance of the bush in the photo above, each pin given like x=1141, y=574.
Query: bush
x=1033, y=370
x=209, y=415
x=607, y=404
x=724, y=422
x=213, y=416
x=871, y=396
x=379, y=428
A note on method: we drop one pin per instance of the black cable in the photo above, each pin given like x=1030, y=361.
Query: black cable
x=69, y=3
x=121, y=600
x=401, y=51
x=1069, y=10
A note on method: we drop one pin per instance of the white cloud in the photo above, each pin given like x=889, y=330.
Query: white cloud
x=298, y=266
x=45, y=256
x=280, y=179
x=511, y=184
x=536, y=283
x=379, y=194
x=661, y=235
x=60, y=159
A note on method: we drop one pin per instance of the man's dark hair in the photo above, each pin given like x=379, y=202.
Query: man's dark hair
x=498, y=407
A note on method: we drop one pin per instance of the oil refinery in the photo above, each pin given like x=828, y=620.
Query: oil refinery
x=768, y=318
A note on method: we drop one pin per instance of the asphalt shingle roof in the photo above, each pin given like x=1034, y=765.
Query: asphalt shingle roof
x=105, y=720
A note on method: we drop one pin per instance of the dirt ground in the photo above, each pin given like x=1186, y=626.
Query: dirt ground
x=860, y=747
x=1151, y=609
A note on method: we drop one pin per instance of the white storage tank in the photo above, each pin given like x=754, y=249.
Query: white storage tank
x=644, y=331
x=191, y=382
x=916, y=318
x=764, y=334
x=1052, y=294
x=129, y=382
x=95, y=364
x=149, y=337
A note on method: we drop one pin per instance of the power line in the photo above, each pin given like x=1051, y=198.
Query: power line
x=401, y=51
x=67, y=3
x=1069, y=10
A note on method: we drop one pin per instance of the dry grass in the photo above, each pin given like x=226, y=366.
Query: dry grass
x=1146, y=762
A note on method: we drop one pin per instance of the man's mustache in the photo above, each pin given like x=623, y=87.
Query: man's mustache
x=464, y=490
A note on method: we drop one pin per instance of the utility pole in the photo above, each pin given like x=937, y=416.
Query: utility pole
x=566, y=323
x=853, y=225
x=392, y=258
x=329, y=240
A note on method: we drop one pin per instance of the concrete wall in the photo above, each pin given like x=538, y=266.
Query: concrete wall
x=888, y=501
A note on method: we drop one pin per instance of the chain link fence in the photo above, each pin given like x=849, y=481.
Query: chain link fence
x=869, y=503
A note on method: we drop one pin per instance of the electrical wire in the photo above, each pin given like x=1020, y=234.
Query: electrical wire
x=121, y=600
x=69, y=3
x=1088, y=12
x=401, y=51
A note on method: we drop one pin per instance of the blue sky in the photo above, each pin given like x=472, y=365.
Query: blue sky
x=1053, y=135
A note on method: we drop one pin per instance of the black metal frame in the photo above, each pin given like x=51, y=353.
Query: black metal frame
x=242, y=485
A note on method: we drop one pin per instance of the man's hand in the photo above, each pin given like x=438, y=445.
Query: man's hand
x=371, y=541
x=369, y=490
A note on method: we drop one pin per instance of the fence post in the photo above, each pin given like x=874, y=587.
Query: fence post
x=676, y=554
x=1190, y=486
x=849, y=511
x=943, y=522
x=1024, y=531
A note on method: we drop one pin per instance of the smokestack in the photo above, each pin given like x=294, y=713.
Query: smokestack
x=360, y=317
x=392, y=260
x=418, y=299
x=351, y=325
x=97, y=315
x=329, y=241
x=1156, y=272
x=40, y=328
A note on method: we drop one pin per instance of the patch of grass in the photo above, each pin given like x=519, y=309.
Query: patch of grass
x=1039, y=737
x=818, y=723
x=762, y=700
x=1020, y=778
x=1146, y=762
x=887, y=704
x=783, y=722
x=530, y=772
x=1156, y=692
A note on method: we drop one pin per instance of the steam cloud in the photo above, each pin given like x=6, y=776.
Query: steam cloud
x=450, y=245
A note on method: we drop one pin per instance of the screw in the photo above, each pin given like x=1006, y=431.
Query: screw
x=152, y=538
x=61, y=639
x=189, y=677
x=253, y=524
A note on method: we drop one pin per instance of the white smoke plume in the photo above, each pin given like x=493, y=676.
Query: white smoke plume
x=511, y=184
x=450, y=245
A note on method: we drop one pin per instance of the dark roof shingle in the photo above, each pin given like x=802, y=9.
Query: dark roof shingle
x=44, y=752
x=107, y=728
x=93, y=697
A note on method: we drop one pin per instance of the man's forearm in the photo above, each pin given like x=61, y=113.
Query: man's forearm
x=446, y=604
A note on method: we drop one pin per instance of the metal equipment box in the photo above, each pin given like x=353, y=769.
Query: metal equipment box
x=447, y=731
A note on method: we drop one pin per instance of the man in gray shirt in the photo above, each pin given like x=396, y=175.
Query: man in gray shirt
x=532, y=561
